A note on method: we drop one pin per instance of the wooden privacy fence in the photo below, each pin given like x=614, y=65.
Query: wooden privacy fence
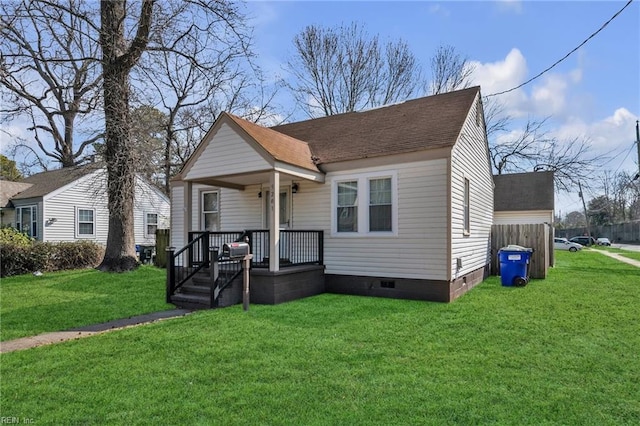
x=539, y=237
x=162, y=242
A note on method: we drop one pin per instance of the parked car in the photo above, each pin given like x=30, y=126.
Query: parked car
x=585, y=241
x=603, y=241
x=563, y=244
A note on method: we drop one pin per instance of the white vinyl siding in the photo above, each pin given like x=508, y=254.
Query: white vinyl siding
x=88, y=192
x=470, y=162
x=226, y=153
x=149, y=199
x=416, y=250
x=522, y=217
x=178, y=223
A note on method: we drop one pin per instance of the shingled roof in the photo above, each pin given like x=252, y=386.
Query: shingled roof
x=523, y=191
x=280, y=146
x=415, y=125
x=46, y=182
x=9, y=189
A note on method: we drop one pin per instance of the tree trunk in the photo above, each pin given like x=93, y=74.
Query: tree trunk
x=120, y=251
x=117, y=62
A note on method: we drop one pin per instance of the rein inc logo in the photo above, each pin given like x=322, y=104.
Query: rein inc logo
x=16, y=420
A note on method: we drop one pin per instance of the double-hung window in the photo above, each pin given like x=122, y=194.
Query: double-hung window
x=365, y=205
x=210, y=217
x=347, y=214
x=27, y=220
x=151, y=224
x=85, y=222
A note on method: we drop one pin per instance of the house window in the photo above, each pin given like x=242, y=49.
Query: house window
x=210, y=210
x=380, y=205
x=151, y=224
x=347, y=219
x=365, y=204
x=466, y=208
x=27, y=220
x=85, y=222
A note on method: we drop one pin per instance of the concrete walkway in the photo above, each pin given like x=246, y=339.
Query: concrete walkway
x=619, y=257
x=89, y=330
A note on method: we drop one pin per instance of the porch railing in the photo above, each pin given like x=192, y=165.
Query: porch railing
x=186, y=262
x=297, y=247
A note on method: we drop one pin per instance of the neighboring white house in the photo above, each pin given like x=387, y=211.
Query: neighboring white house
x=70, y=204
x=403, y=194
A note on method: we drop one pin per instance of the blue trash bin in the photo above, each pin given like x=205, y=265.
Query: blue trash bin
x=514, y=262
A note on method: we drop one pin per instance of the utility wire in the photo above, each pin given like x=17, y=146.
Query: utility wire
x=625, y=159
x=565, y=56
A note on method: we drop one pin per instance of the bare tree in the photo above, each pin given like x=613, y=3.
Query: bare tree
x=533, y=149
x=211, y=70
x=50, y=75
x=344, y=69
x=450, y=71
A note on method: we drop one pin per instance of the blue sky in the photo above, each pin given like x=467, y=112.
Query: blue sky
x=595, y=93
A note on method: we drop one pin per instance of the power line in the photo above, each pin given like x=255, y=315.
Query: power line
x=565, y=56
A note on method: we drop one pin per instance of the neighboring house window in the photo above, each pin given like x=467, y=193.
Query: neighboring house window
x=85, y=222
x=347, y=206
x=467, y=211
x=27, y=220
x=210, y=210
x=151, y=224
x=365, y=204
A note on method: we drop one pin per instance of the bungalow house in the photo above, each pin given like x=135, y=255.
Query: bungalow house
x=70, y=204
x=395, y=201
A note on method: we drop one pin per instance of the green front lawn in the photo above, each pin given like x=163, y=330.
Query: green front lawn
x=565, y=350
x=56, y=301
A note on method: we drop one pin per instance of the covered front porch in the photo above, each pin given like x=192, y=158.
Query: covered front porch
x=200, y=275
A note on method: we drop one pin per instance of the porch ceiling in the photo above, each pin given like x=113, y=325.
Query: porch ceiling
x=240, y=181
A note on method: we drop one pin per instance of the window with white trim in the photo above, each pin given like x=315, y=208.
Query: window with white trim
x=466, y=208
x=210, y=216
x=365, y=204
x=85, y=222
x=27, y=220
x=380, y=205
x=151, y=224
x=347, y=215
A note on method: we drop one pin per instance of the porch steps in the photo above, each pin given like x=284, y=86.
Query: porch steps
x=197, y=293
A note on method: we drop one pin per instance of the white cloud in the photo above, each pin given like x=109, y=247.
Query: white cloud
x=549, y=98
x=609, y=136
x=503, y=75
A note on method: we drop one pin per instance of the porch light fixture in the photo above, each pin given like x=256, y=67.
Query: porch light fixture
x=260, y=194
x=294, y=188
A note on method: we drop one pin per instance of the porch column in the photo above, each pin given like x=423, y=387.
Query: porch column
x=274, y=223
x=187, y=211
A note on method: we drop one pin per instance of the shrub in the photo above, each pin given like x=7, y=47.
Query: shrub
x=13, y=236
x=17, y=258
